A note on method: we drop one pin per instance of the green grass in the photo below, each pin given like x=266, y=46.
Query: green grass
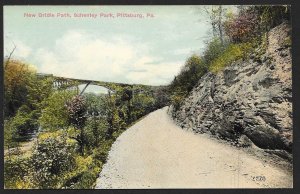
x=231, y=54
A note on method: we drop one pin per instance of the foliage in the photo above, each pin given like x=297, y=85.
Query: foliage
x=95, y=104
x=271, y=16
x=50, y=158
x=17, y=173
x=188, y=77
x=95, y=131
x=232, y=53
x=10, y=134
x=214, y=48
x=177, y=99
x=216, y=15
x=254, y=21
x=142, y=105
x=24, y=92
x=16, y=78
x=243, y=27
x=54, y=112
x=77, y=117
x=76, y=109
x=161, y=97
x=19, y=126
x=83, y=175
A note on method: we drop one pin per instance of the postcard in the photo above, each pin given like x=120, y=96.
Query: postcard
x=147, y=97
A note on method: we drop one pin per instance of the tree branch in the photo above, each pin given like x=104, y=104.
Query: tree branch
x=10, y=54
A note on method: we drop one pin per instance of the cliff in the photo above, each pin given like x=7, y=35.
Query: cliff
x=249, y=102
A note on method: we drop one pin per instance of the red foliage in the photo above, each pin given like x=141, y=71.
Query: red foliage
x=243, y=27
x=77, y=110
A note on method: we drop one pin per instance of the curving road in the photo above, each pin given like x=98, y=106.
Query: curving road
x=156, y=153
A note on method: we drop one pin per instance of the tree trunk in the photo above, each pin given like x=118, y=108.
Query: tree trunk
x=220, y=25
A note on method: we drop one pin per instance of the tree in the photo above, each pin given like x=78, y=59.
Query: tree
x=16, y=77
x=77, y=117
x=54, y=110
x=216, y=15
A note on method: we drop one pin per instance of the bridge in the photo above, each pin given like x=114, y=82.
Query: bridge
x=65, y=83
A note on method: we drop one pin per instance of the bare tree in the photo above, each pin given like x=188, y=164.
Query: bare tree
x=216, y=15
x=10, y=55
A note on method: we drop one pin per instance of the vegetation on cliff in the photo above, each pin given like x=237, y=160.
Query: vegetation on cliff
x=237, y=37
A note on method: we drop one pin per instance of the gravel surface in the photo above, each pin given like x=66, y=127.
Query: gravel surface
x=156, y=153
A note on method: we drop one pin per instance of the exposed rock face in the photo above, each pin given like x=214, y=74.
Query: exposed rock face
x=250, y=101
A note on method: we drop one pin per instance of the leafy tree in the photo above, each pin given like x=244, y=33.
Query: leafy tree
x=189, y=75
x=243, y=27
x=24, y=122
x=162, y=97
x=95, y=104
x=253, y=21
x=142, y=105
x=54, y=111
x=77, y=117
x=95, y=131
x=16, y=78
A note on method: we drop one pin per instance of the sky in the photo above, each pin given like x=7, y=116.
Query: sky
x=149, y=50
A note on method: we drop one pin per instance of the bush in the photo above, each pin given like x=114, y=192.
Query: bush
x=254, y=21
x=189, y=76
x=231, y=54
x=10, y=134
x=50, y=158
x=76, y=108
x=16, y=78
x=54, y=113
x=162, y=97
x=95, y=131
x=271, y=16
x=101, y=153
x=20, y=125
x=17, y=172
x=213, y=49
x=176, y=100
x=243, y=27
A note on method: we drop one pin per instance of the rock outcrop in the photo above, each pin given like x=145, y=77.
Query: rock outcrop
x=250, y=102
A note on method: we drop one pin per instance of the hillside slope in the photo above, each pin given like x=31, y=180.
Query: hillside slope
x=249, y=102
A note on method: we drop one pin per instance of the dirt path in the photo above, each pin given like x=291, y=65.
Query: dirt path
x=24, y=147
x=155, y=153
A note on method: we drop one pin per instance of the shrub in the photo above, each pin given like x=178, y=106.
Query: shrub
x=101, y=153
x=271, y=16
x=17, y=172
x=54, y=113
x=50, y=158
x=232, y=53
x=177, y=99
x=77, y=117
x=189, y=75
x=243, y=27
x=254, y=21
x=20, y=125
x=95, y=131
x=76, y=110
x=213, y=49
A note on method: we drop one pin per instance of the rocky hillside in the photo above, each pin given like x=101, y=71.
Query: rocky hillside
x=249, y=102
